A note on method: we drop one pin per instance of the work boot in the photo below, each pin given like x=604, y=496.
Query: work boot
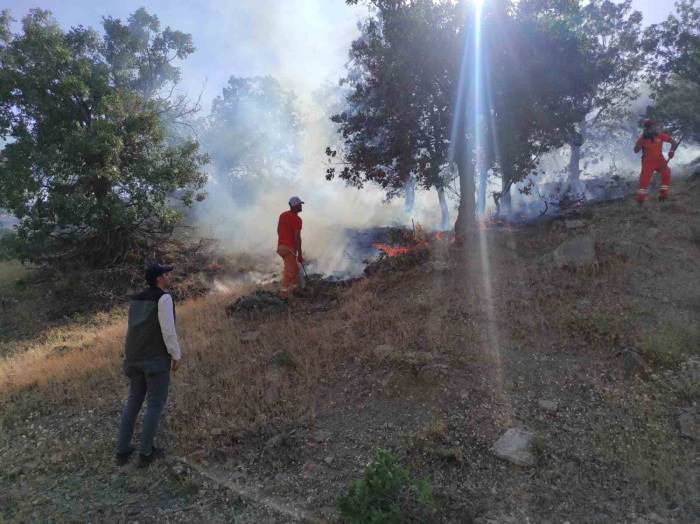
x=641, y=197
x=145, y=460
x=122, y=458
x=663, y=195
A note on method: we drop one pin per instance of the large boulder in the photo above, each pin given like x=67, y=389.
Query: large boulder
x=577, y=252
x=515, y=446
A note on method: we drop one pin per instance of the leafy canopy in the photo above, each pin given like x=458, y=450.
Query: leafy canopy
x=87, y=166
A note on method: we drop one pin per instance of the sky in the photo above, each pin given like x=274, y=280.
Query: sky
x=305, y=41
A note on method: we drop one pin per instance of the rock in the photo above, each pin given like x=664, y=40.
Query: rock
x=689, y=425
x=575, y=253
x=179, y=470
x=574, y=224
x=383, y=351
x=284, y=359
x=328, y=460
x=449, y=454
x=321, y=436
x=633, y=363
x=550, y=406
x=274, y=441
x=418, y=358
x=434, y=372
x=439, y=266
x=60, y=350
x=515, y=446
x=250, y=336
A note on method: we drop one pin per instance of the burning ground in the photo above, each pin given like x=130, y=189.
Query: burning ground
x=581, y=330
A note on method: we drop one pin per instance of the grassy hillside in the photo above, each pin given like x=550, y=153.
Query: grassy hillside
x=433, y=358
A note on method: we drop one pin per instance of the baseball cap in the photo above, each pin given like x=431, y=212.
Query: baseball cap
x=648, y=123
x=295, y=201
x=154, y=270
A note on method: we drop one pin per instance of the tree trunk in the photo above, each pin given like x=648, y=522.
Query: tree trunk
x=466, y=216
x=444, y=210
x=409, y=195
x=483, y=181
x=505, y=206
x=575, y=159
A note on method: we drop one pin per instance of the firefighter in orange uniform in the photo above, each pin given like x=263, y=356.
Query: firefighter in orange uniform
x=289, y=246
x=651, y=144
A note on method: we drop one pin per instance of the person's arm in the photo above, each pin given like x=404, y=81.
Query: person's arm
x=665, y=137
x=638, y=145
x=297, y=242
x=674, y=146
x=166, y=319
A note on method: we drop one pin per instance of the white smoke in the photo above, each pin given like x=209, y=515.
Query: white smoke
x=307, y=42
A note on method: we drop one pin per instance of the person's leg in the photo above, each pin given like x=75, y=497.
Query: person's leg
x=137, y=392
x=292, y=270
x=665, y=182
x=644, y=180
x=284, y=253
x=157, y=395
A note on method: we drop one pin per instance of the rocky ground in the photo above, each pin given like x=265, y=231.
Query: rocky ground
x=553, y=376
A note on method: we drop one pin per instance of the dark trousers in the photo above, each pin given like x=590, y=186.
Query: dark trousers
x=146, y=379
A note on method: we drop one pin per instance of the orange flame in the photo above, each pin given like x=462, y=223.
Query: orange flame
x=390, y=250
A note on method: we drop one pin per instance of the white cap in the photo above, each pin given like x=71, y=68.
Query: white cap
x=295, y=201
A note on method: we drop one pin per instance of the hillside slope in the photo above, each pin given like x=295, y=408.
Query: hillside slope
x=433, y=357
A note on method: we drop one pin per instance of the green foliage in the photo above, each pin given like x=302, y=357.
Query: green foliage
x=9, y=245
x=674, y=48
x=670, y=345
x=411, y=111
x=385, y=494
x=88, y=167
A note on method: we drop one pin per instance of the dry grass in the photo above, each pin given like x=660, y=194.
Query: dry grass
x=10, y=272
x=225, y=386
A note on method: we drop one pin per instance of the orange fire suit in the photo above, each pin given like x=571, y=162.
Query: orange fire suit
x=652, y=161
x=288, y=227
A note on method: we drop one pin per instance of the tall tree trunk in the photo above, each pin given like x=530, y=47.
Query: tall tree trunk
x=483, y=181
x=466, y=216
x=505, y=202
x=409, y=194
x=574, y=182
x=444, y=210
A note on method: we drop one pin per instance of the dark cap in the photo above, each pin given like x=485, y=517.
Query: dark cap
x=648, y=123
x=153, y=271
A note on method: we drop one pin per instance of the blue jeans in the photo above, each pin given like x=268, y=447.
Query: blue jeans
x=148, y=378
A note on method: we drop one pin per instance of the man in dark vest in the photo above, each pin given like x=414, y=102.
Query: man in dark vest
x=151, y=351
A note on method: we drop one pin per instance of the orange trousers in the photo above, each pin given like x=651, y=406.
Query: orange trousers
x=290, y=274
x=649, y=167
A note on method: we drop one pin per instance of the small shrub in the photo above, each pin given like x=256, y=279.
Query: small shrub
x=9, y=246
x=671, y=345
x=386, y=494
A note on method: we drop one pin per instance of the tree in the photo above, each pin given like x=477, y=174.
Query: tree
x=536, y=71
x=396, y=124
x=613, y=61
x=252, y=133
x=674, y=70
x=426, y=93
x=88, y=168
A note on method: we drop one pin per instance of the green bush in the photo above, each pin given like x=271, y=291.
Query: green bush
x=9, y=247
x=386, y=494
x=671, y=345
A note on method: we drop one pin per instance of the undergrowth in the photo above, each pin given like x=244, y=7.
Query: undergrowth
x=386, y=494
